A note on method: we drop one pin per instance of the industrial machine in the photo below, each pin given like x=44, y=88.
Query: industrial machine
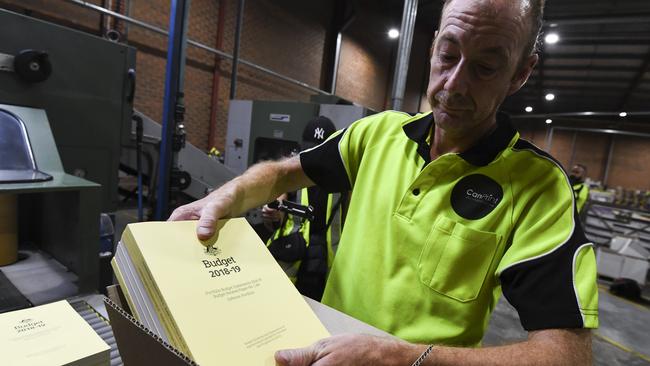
x=84, y=83
x=625, y=258
x=263, y=130
x=58, y=213
x=66, y=97
x=201, y=173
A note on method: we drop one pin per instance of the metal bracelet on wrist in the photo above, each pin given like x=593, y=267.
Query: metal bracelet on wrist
x=424, y=355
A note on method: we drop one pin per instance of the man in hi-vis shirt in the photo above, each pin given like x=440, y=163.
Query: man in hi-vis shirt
x=448, y=211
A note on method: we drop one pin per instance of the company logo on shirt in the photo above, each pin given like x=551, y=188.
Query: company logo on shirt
x=475, y=196
x=485, y=197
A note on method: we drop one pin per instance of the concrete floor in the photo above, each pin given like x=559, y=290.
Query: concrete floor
x=622, y=339
x=41, y=278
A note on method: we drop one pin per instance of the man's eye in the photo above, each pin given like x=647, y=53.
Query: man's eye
x=447, y=57
x=486, y=70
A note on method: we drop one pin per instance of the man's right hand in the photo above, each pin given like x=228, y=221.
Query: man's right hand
x=217, y=205
x=258, y=185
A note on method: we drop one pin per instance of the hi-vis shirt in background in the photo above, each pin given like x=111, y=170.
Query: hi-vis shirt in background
x=430, y=245
x=294, y=224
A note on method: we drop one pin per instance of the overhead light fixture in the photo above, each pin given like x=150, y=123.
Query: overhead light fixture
x=623, y=114
x=528, y=109
x=552, y=38
x=549, y=96
x=393, y=33
x=548, y=121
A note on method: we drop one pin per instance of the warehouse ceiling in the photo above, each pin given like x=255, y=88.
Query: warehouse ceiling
x=600, y=63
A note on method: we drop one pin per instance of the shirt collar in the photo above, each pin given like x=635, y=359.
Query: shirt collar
x=481, y=154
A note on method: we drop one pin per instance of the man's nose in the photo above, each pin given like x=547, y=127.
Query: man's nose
x=458, y=80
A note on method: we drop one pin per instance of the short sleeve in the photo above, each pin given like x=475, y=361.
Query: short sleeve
x=333, y=165
x=548, y=273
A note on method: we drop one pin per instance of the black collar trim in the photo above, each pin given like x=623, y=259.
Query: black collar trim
x=481, y=154
x=418, y=131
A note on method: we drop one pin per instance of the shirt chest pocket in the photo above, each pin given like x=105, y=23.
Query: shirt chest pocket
x=455, y=260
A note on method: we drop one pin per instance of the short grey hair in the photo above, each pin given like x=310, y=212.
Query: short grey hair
x=535, y=13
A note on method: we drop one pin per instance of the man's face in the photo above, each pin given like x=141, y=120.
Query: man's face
x=476, y=62
x=578, y=172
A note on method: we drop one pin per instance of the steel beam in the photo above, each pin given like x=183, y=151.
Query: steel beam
x=602, y=41
x=590, y=55
x=235, y=54
x=409, y=16
x=638, y=78
x=591, y=68
x=610, y=154
x=600, y=19
x=581, y=79
x=340, y=28
x=605, y=131
x=580, y=114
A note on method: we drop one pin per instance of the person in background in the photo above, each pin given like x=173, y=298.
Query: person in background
x=319, y=237
x=580, y=189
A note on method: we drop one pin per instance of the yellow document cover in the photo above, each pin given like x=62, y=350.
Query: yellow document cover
x=52, y=334
x=233, y=306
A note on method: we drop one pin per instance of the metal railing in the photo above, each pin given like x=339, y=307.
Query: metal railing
x=223, y=54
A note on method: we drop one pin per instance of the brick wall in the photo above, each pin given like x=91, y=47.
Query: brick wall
x=630, y=162
x=286, y=36
x=49, y=10
x=591, y=151
x=365, y=66
x=630, y=156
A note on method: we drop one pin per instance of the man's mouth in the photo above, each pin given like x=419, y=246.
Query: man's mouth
x=452, y=110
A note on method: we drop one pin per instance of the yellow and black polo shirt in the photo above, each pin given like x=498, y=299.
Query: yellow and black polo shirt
x=429, y=246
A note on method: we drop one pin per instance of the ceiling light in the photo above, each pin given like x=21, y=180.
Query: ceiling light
x=529, y=109
x=393, y=33
x=623, y=114
x=549, y=96
x=551, y=38
x=549, y=121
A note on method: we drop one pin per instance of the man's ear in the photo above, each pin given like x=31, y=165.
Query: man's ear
x=523, y=73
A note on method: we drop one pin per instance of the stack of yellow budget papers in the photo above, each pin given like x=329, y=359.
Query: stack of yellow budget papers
x=52, y=334
x=232, y=305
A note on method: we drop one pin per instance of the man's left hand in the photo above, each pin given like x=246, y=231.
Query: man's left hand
x=348, y=349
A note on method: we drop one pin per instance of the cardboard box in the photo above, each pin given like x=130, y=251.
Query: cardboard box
x=140, y=346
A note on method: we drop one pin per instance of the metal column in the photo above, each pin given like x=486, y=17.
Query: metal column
x=549, y=138
x=235, y=54
x=173, y=109
x=609, y=161
x=337, y=59
x=404, y=52
x=337, y=56
x=573, y=149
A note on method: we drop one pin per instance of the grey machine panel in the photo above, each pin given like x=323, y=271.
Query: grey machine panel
x=267, y=130
x=343, y=115
x=263, y=130
x=86, y=98
x=206, y=173
x=238, y=134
